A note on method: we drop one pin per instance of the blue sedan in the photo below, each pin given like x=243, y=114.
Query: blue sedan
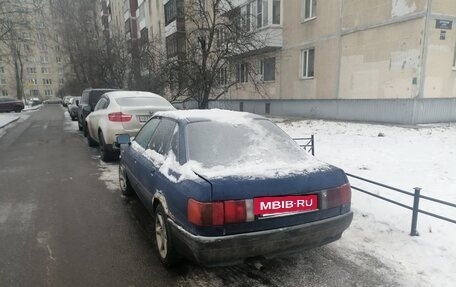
x=225, y=187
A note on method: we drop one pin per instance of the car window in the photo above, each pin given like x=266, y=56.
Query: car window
x=145, y=134
x=102, y=104
x=142, y=101
x=175, y=142
x=95, y=97
x=161, y=139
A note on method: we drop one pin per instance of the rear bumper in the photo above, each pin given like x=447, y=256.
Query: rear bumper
x=232, y=249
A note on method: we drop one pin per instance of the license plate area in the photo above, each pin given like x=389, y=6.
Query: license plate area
x=143, y=119
x=284, y=205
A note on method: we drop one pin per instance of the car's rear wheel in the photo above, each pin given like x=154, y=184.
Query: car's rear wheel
x=105, y=152
x=124, y=183
x=164, y=243
x=18, y=109
x=79, y=125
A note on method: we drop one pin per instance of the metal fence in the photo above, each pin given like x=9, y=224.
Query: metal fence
x=309, y=145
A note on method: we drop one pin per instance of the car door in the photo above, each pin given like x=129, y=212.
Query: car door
x=96, y=115
x=2, y=104
x=150, y=163
x=136, y=152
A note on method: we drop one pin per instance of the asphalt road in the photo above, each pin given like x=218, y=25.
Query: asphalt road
x=61, y=225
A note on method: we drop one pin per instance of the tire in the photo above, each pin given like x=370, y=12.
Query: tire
x=17, y=109
x=124, y=183
x=106, y=154
x=90, y=141
x=163, y=239
x=79, y=126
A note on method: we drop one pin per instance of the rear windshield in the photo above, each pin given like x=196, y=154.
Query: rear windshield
x=226, y=144
x=139, y=102
x=95, y=96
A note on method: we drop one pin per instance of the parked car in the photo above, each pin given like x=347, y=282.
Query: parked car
x=8, y=104
x=225, y=187
x=53, y=100
x=66, y=100
x=73, y=108
x=121, y=112
x=89, y=99
x=34, y=102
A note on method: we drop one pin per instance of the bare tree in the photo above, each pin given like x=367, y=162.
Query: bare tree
x=217, y=39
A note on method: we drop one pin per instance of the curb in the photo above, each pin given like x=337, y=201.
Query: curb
x=10, y=122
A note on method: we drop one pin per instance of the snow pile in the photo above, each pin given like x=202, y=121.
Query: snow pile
x=6, y=119
x=405, y=157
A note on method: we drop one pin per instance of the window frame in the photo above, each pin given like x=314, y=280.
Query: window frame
x=262, y=69
x=313, y=10
x=301, y=65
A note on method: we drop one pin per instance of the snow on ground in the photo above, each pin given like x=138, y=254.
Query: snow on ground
x=405, y=157
x=69, y=125
x=8, y=120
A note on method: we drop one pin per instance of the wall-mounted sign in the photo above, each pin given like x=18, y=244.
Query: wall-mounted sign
x=443, y=24
x=442, y=34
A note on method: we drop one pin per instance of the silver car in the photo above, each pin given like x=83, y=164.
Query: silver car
x=121, y=112
x=73, y=108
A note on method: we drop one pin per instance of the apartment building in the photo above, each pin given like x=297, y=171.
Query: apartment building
x=43, y=61
x=386, y=61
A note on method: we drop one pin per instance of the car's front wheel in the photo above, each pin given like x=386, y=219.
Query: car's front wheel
x=164, y=243
x=18, y=109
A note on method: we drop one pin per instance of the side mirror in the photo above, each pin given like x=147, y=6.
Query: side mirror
x=122, y=139
x=77, y=103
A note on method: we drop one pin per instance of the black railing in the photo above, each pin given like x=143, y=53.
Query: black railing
x=309, y=145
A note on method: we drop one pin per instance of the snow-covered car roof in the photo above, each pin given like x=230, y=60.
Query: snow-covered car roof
x=210, y=115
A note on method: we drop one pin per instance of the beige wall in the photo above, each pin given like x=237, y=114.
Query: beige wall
x=296, y=31
x=382, y=62
x=358, y=13
x=440, y=75
x=447, y=7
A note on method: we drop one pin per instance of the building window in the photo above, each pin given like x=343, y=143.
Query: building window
x=31, y=70
x=43, y=47
x=61, y=81
x=2, y=81
x=45, y=70
x=58, y=59
x=267, y=69
x=309, y=9
x=307, y=63
x=4, y=93
x=170, y=11
x=267, y=108
x=48, y=92
x=2, y=70
x=246, y=16
x=241, y=106
x=44, y=59
x=33, y=81
x=173, y=45
x=242, y=73
x=47, y=81
x=276, y=12
x=222, y=76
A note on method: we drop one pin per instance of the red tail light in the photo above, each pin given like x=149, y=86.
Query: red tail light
x=205, y=213
x=338, y=196
x=119, y=117
x=216, y=213
x=235, y=211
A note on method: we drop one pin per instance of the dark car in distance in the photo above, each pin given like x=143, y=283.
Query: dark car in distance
x=227, y=187
x=89, y=100
x=8, y=104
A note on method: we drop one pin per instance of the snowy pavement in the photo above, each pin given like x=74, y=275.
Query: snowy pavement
x=6, y=119
x=404, y=157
